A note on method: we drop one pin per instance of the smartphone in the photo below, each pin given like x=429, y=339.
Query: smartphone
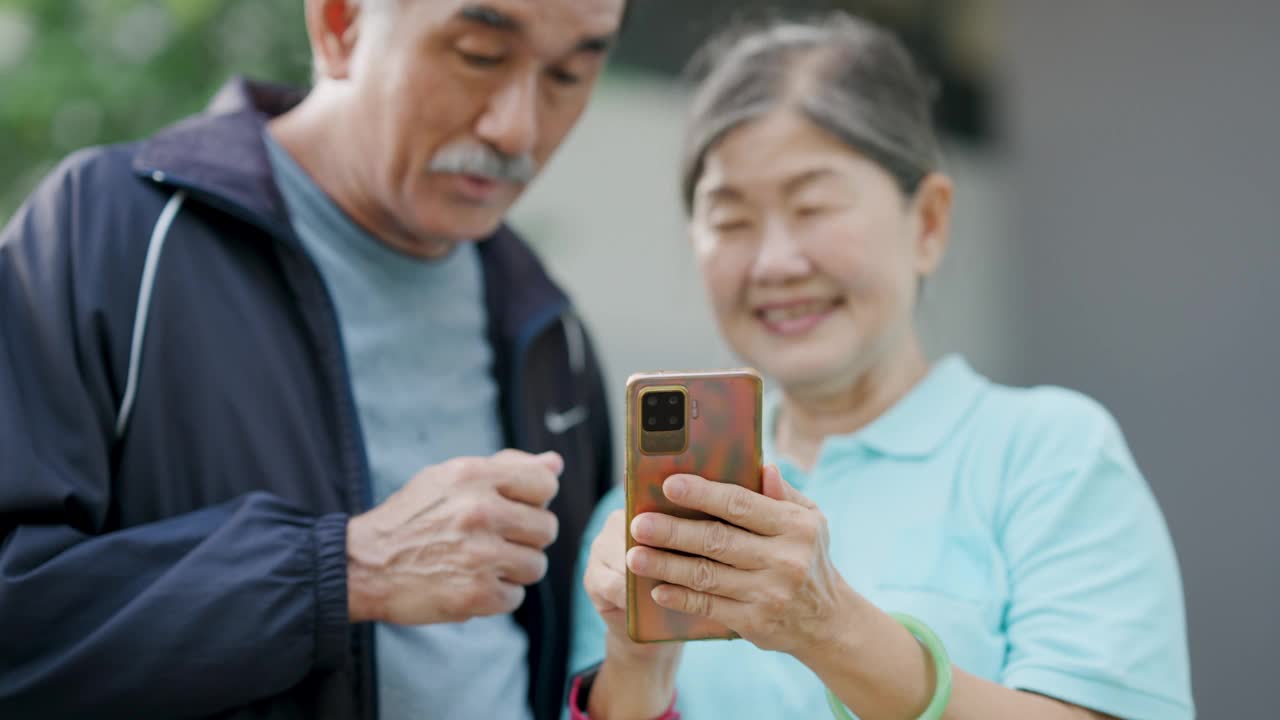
x=701, y=423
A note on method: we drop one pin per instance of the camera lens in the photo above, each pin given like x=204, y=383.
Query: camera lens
x=662, y=411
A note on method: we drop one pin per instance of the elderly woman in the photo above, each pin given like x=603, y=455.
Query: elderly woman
x=928, y=543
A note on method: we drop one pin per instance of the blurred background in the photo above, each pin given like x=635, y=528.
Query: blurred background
x=1115, y=230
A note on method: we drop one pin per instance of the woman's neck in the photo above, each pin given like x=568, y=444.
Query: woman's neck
x=808, y=417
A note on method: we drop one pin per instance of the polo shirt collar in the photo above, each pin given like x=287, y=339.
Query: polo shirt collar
x=917, y=425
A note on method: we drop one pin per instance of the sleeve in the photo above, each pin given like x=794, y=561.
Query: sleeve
x=1096, y=614
x=191, y=615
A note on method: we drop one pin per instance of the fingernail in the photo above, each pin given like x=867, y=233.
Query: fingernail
x=675, y=487
x=557, y=461
x=658, y=594
x=635, y=560
x=641, y=527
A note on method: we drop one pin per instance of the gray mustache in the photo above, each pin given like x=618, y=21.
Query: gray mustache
x=466, y=158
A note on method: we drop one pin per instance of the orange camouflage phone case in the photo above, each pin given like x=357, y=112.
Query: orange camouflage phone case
x=720, y=441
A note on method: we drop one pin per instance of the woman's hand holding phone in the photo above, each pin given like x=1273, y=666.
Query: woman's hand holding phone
x=762, y=569
x=636, y=680
x=760, y=566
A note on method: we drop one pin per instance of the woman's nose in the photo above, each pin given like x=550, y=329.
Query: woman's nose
x=780, y=257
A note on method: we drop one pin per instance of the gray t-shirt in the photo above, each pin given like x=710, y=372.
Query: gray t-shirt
x=420, y=361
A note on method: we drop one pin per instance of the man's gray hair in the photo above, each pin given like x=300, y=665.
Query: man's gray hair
x=846, y=75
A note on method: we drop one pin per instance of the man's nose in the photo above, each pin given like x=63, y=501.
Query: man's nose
x=510, y=122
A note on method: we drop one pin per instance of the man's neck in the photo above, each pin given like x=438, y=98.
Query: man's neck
x=315, y=136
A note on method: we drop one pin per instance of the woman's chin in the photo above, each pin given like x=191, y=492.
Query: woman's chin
x=802, y=371
x=811, y=360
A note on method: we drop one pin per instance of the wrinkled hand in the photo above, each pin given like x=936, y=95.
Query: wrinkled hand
x=460, y=540
x=605, y=580
x=765, y=572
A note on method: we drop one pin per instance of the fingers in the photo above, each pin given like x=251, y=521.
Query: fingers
x=552, y=462
x=610, y=546
x=774, y=486
x=731, y=503
x=530, y=479
x=498, y=598
x=708, y=538
x=549, y=460
x=520, y=564
x=695, y=573
x=522, y=524
x=495, y=583
x=606, y=586
x=605, y=577
x=723, y=610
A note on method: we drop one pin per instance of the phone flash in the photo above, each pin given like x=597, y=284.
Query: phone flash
x=693, y=408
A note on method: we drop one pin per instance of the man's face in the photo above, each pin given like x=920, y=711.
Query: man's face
x=460, y=103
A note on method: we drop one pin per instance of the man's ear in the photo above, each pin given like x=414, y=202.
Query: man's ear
x=332, y=26
x=932, y=208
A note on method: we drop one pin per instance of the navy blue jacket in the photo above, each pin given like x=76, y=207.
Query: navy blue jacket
x=173, y=545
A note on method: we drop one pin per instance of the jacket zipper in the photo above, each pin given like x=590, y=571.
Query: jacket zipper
x=532, y=331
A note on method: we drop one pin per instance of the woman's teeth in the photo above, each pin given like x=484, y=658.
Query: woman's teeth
x=792, y=312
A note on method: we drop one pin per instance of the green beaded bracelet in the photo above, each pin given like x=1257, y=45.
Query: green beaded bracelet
x=941, y=665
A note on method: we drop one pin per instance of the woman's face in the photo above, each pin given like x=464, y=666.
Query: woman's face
x=811, y=254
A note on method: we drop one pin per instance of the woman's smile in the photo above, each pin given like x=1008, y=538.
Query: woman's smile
x=795, y=318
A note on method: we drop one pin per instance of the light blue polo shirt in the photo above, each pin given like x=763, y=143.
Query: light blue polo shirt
x=1014, y=522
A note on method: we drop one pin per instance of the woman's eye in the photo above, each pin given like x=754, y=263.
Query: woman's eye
x=727, y=227
x=481, y=60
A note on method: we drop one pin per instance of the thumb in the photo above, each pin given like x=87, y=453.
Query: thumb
x=776, y=488
x=551, y=461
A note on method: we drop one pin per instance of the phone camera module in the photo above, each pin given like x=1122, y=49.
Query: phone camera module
x=663, y=411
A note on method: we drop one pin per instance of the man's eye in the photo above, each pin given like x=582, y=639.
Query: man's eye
x=564, y=77
x=483, y=61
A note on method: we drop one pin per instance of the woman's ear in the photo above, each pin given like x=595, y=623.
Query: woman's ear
x=332, y=26
x=932, y=209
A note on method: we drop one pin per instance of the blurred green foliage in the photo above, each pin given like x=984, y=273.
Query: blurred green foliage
x=75, y=73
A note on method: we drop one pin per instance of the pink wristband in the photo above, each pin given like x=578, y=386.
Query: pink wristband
x=577, y=713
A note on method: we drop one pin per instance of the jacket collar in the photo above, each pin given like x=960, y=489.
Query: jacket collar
x=219, y=157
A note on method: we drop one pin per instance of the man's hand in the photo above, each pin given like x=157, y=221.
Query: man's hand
x=460, y=540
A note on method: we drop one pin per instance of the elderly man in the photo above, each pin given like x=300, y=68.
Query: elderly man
x=290, y=424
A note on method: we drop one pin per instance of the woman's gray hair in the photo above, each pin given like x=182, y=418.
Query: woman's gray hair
x=849, y=77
